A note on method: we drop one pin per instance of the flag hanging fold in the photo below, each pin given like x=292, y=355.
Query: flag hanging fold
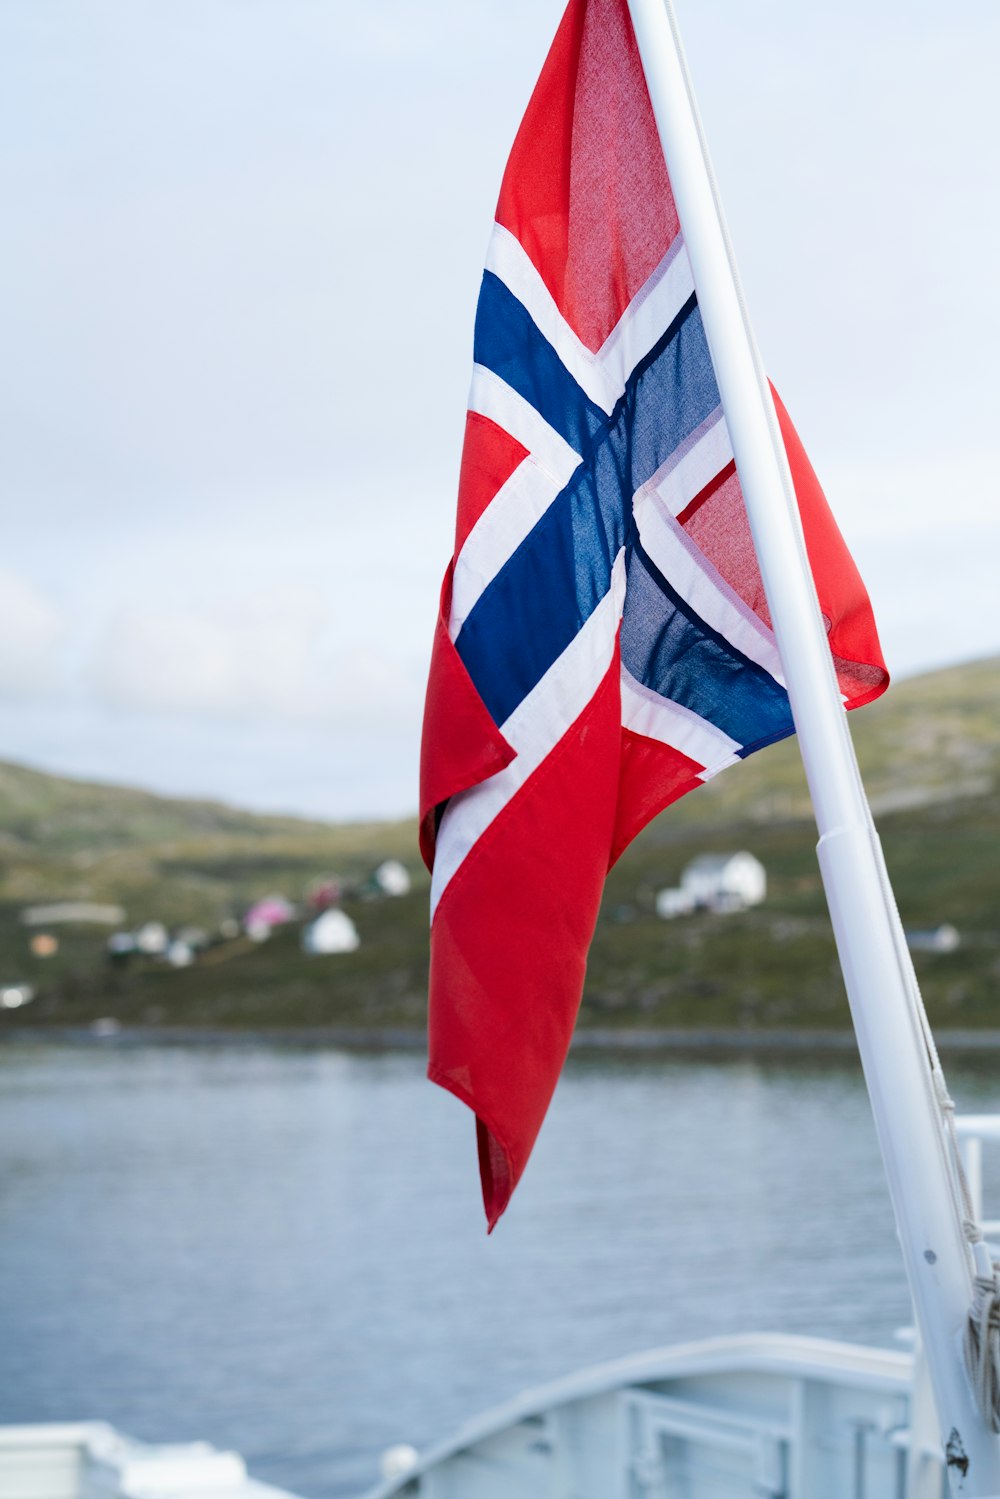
x=604, y=644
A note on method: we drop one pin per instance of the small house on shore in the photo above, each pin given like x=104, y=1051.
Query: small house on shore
x=943, y=938
x=331, y=932
x=391, y=878
x=73, y=913
x=716, y=882
x=264, y=915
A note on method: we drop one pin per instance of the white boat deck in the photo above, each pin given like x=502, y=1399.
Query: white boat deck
x=765, y=1417
x=90, y=1460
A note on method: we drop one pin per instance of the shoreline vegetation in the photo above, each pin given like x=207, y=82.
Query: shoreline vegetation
x=726, y=1043
x=766, y=978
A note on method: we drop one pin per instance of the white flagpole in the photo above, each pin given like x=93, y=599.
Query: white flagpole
x=866, y=925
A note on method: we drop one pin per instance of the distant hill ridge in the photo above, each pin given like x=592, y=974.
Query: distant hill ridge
x=36, y=807
x=930, y=755
x=929, y=738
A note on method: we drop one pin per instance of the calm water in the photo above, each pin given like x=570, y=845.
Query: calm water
x=284, y=1252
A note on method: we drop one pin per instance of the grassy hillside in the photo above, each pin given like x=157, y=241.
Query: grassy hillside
x=930, y=753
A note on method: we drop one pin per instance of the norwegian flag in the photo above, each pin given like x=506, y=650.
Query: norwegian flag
x=604, y=644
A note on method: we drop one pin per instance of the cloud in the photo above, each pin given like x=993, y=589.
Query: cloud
x=905, y=497
x=31, y=632
x=272, y=654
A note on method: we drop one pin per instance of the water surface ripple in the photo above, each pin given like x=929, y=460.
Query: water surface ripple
x=283, y=1251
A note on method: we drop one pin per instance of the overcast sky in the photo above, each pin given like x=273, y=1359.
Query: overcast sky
x=241, y=247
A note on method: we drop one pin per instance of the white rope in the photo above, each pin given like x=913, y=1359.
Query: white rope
x=981, y=1342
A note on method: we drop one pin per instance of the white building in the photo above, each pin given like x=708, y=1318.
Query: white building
x=725, y=882
x=942, y=938
x=179, y=954
x=152, y=939
x=671, y=903
x=391, y=878
x=13, y=996
x=73, y=913
x=716, y=882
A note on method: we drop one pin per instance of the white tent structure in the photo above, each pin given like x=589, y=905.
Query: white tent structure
x=333, y=932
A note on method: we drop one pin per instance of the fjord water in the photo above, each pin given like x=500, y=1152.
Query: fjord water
x=283, y=1251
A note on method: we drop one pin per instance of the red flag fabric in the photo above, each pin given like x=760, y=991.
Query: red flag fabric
x=604, y=644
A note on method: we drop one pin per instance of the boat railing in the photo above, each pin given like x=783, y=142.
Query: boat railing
x=975, y=1130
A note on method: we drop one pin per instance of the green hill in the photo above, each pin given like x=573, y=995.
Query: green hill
x=930, y=754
